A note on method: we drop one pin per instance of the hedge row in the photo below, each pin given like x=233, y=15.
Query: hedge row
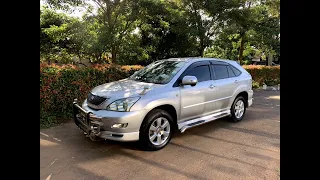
x=59, y=85
x=269, y=75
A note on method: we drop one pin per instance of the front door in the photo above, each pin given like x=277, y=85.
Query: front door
x=196, y=100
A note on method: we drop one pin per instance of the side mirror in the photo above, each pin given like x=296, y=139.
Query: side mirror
x=189, y=80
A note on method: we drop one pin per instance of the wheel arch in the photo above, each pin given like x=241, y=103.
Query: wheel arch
x=245, y=95
x=168, y=108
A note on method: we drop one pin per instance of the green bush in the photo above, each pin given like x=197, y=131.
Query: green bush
x=255, y=85
x=59, y=85
x=269, y=75
x=246, y=62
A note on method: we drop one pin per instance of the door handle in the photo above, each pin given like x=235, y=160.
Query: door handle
x=212, y=86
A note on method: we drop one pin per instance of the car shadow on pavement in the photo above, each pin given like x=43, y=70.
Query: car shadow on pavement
x=100, y=150
x=96, y=151
x=217, y=155
x=232, y=142
x=259, y=156
x=227, y=170
x=253, y=132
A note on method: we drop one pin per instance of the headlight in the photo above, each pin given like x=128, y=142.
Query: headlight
x=122, y=104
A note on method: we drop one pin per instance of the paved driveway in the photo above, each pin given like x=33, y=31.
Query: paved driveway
x=218, y=150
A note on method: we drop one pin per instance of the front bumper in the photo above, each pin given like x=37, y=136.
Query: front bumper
x=250, y=102
x=250, y=98
x=95, y=125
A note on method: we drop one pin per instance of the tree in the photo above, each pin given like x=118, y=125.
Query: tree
x=241, y=19
x=205, y=18
x=94, y=46
x=141, y=31
x=268, y=29
x=66, y=5
x=250, y=20
x=54, y=31
x=164, y=31
x=225, y=46
x=118, y=18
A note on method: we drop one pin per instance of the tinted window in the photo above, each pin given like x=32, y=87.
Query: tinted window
x=231, y=73
x=201, y=72
x=220, y=71
x=235, y=70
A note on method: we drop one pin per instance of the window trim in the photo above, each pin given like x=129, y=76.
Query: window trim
x=228, y=67
x=193, y=65
x=215, y=72
x=224, y=64
x=215, y=62
x=236, y=69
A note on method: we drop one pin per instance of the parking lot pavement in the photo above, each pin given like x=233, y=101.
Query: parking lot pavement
x=220, y=149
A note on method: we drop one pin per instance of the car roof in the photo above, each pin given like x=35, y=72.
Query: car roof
x=196, y=59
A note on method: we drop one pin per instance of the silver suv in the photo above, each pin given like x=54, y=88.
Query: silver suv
x=167, y=95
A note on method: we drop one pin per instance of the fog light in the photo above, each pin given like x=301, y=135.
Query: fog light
x=118, y=125
x=95, y=128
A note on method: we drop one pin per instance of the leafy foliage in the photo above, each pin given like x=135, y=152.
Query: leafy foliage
x=59, y=85
x=250, y=24
x=61, y=36
x=141, y=31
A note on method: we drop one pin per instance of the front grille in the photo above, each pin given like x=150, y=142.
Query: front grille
x=94, y=99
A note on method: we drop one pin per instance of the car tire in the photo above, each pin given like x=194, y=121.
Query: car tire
x=158, y=136
x=238, y=109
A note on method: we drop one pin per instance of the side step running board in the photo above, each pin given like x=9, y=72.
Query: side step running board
x=202, y=120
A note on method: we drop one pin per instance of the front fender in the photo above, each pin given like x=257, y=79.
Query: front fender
x=151, y=101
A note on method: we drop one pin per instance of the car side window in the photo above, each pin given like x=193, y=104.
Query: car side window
x=201, y=72
x=235, y=70
x=231, y=73
x=220, y=71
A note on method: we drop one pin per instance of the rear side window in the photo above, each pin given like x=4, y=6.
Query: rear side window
x=231, y=73
x=235, y=70
x=220, y=71
x=201, y=72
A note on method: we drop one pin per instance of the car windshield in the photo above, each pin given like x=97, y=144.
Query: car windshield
x=159, y=72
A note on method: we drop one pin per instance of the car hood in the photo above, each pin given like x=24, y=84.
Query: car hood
x=123, y=88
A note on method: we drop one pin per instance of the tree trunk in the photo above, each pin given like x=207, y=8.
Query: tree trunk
x=114, y=54
x=98, y=57
x=242, y=34
x=270, y=59
x=201, y=49
x=240, y=58
x=79, y=56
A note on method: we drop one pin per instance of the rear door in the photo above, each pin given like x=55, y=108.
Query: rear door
x=226, y=83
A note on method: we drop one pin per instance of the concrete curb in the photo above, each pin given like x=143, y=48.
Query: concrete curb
x=270, y=88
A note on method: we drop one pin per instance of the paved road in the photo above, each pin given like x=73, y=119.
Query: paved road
x=218, y=150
